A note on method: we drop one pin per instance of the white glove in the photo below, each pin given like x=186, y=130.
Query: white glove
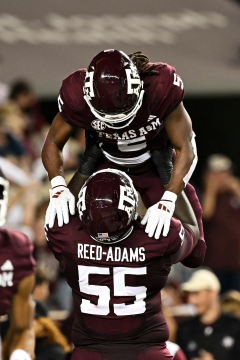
x=159, y=216
x=60, y=199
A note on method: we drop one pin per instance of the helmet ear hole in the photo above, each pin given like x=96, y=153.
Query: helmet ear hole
x=119, y=217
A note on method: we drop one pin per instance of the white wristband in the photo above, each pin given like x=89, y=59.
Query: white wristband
x=20, y=354
x=58, y=181
x=170, y=196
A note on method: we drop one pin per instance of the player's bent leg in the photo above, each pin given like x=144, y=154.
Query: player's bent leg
x=145, y=179
x=148, y=183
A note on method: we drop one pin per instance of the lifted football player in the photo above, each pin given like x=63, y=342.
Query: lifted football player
x=130, y=107
x=17, y=268
x=116, y=271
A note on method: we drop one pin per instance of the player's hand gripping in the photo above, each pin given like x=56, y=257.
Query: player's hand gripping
x=61, y=202
x=158, y=217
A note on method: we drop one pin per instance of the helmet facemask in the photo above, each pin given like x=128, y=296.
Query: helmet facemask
x=107, y=206
x=113, y=89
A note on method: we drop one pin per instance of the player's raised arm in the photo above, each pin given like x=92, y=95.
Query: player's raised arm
x=88, y=164
x=22, y=342
x=179, y=128
x=158, y=216
x=60, y=196
x=56, y=138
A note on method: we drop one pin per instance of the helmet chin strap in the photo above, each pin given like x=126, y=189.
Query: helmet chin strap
x=116, y=119
x=126, y=235
x=119, y=127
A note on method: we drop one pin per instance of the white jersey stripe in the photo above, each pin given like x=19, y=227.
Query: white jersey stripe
x=128, y=161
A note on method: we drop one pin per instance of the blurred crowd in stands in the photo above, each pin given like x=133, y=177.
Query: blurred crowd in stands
x=22, y=132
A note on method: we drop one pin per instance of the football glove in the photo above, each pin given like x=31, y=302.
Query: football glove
x=158, y=217
x=61, y=202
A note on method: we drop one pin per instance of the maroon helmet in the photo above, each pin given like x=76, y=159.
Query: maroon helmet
x=107, y=206
x=113, y=88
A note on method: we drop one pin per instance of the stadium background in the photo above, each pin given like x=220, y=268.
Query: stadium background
x=43, y=42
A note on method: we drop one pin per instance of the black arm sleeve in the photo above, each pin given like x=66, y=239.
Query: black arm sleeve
x=91, y=156
x=162, y=159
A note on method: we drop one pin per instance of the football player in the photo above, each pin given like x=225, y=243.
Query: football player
x=116, y=271
x=17, y=268
x=131, y=107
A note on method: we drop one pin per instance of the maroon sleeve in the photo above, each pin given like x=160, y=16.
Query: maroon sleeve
x=196, y=258
x=171, y=85
x=71, y=103
x=60, y=239
x=186, y=245
x=22, y=250
x=197, y=255
x=175, y=237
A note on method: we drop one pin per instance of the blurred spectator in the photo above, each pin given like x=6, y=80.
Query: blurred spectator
x=50, y=342
x=230, y=303
x=22, y=117
x=9, y=144
x=41, y=289
x=17, y=145
x=221, y=215
x=211, y=335
x=22, y=95
x=22, y=204
x=12, y=129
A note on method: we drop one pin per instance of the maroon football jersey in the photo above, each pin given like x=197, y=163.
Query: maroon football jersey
x=16, y=262
x=116, y=288
x=131, y=145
